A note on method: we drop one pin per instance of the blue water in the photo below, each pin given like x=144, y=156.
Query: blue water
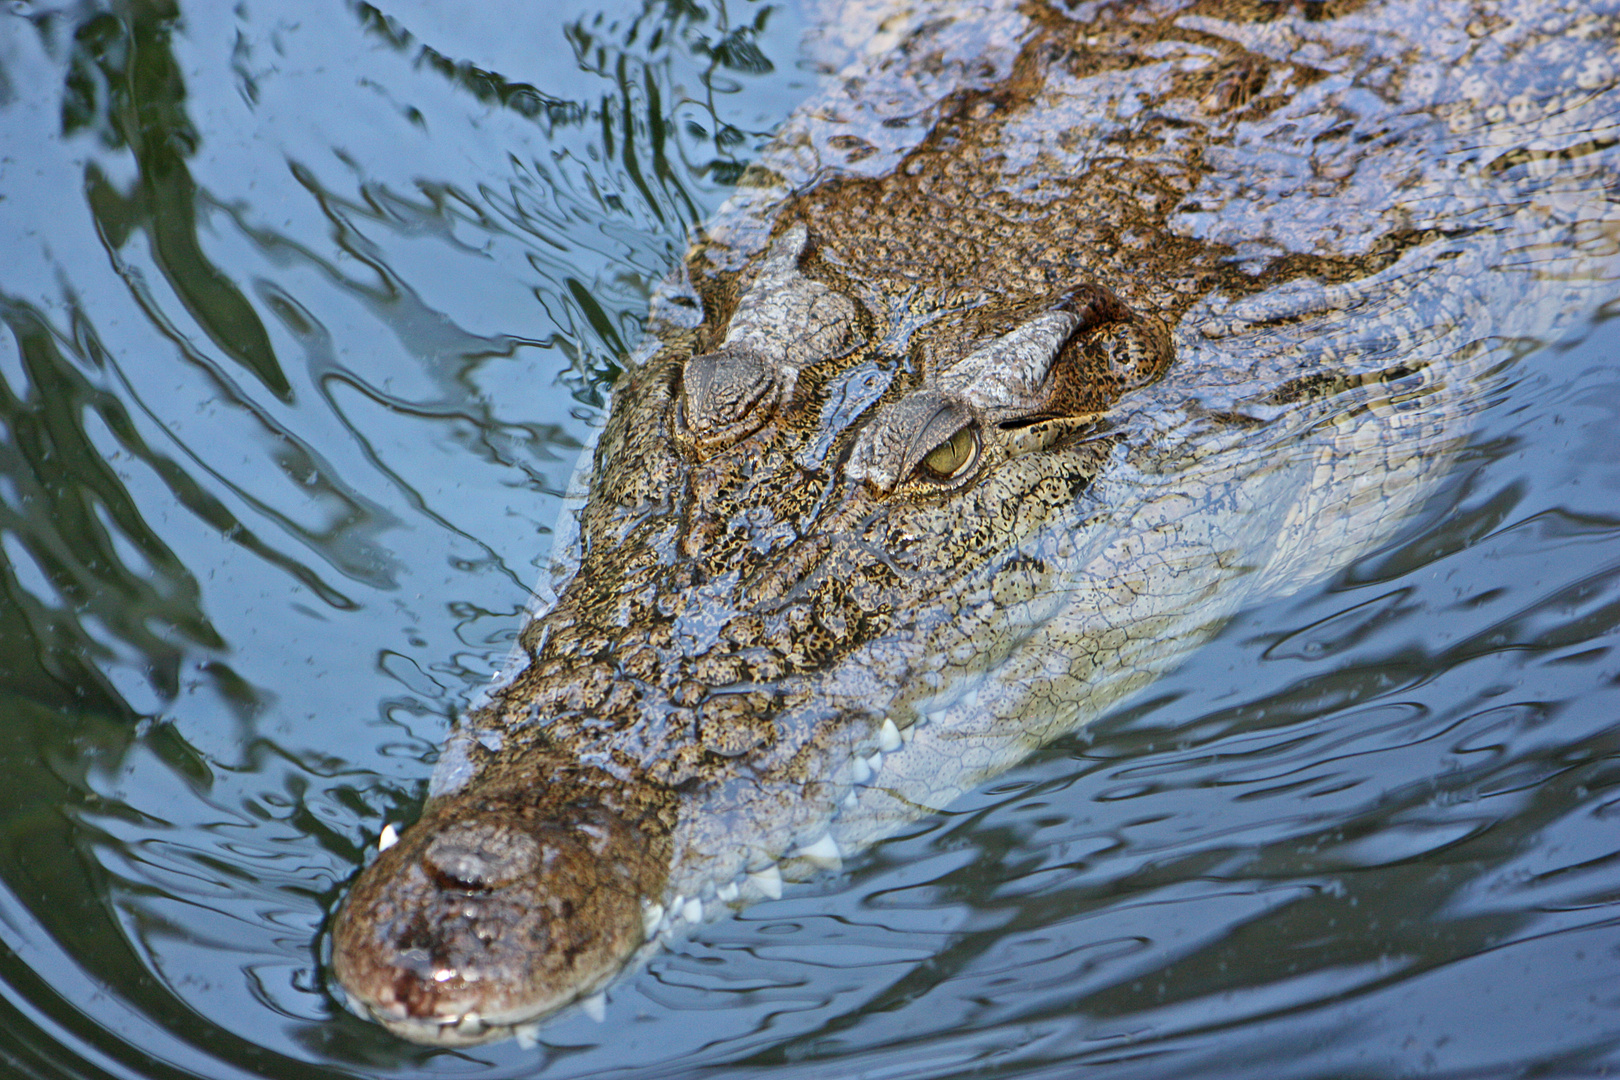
x=305, y=311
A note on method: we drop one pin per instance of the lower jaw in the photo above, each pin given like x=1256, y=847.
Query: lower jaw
x=469, y=1030
x=465, y=1029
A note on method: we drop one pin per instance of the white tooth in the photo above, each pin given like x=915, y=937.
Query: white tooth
x=388, y=838
x=471, y=1024
x=527, y=1036
x=823, y=853
x=909, y=730
x=727, y=893
x=651, y=916
x=888, y=737
x=875, y=762
x=850, y=800
x=768, y=881
x=595, y=1006
x=862, y=771
x=692, y=911
x=677, y=908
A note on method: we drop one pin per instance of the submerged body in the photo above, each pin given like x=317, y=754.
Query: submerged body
x=1042, y=342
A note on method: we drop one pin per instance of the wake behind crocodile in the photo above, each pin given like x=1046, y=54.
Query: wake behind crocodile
x=1040, y=343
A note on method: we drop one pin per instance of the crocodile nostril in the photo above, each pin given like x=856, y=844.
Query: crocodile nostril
x=480, y=856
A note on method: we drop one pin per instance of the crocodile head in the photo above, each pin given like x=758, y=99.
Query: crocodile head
x=892, y=507
x=812, y=520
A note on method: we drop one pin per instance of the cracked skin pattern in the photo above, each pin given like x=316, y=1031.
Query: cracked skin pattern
x=1042, y=340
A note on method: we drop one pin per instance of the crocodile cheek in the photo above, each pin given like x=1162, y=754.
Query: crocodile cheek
x=465, y=929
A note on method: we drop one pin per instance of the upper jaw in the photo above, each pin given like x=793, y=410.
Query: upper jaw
x=452, y=1015
x=467, y=1027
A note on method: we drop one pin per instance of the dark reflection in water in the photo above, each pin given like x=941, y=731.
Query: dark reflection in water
x=308, y=310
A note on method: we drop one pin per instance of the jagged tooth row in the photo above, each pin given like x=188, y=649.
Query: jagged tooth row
x=660, y=922
x=676, y=912
x=765, y=881
x=823, y=853
x=652, y=917
x=768, y=881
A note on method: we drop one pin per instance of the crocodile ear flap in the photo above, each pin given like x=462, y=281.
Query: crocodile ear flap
x=1074, y=357
x=1096, y=367
x=784, y=322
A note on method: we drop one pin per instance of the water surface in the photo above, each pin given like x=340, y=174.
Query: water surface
x=307, y=309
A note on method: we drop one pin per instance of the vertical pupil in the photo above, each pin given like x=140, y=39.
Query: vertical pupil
x=948, y=458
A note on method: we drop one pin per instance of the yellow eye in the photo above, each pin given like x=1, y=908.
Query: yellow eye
x=953, y=457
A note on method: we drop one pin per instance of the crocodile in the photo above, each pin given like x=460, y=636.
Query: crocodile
x=1043, y=339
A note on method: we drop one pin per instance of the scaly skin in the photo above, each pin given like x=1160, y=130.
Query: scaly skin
x=1039, y=344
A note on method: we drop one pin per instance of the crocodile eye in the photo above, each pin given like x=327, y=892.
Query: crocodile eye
x=951, y=459
x=927, y=438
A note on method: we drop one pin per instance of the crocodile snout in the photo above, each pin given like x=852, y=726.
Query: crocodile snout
x=488, y=914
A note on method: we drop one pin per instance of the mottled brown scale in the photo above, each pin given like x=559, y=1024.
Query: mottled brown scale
x=1029, y=353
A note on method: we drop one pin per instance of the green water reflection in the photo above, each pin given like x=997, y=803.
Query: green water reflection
x=308, y=309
